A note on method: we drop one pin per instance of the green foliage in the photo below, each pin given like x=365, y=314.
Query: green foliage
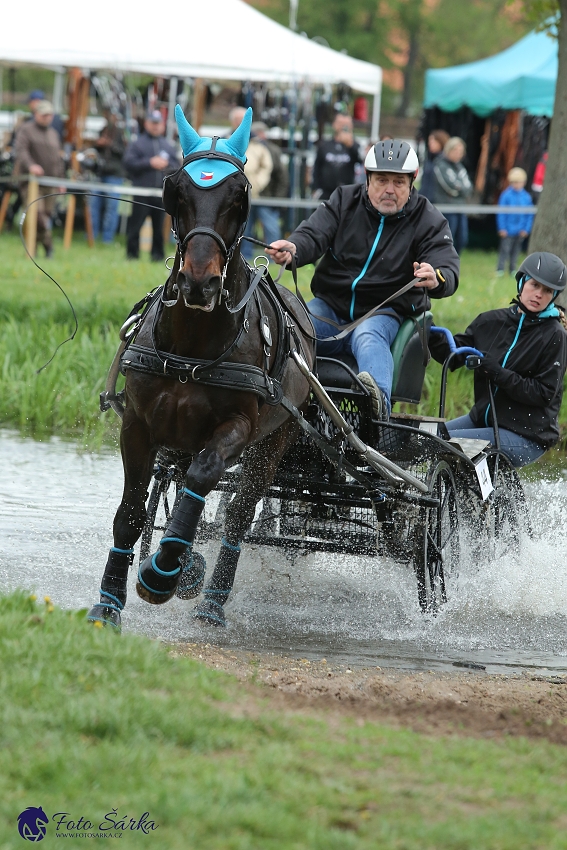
x=412, y=35
x=545, y=14
x=92, y=721
x=103, y=286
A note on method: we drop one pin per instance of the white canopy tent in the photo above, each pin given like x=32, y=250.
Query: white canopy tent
x=220, y=40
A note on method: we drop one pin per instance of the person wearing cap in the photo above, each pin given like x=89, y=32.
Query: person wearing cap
x=147, y=160
x=34, y=98
x=38, y=152
x=525, y=358
x=513, y=228
x=373, y=239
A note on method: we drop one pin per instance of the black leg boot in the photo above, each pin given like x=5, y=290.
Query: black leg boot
x=112, y=589
x=210, y=610
x=160, y=573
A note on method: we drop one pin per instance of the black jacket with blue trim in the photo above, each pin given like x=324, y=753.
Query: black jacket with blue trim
x=529, y=387
x=342, y=231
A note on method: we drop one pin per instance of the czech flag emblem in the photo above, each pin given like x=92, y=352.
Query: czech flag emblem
x=207, y=175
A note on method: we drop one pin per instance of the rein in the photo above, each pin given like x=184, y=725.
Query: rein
x=344, y=329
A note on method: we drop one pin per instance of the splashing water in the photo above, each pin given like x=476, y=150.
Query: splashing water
x=56, y=511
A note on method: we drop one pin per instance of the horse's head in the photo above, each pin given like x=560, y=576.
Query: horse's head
x=208, y=200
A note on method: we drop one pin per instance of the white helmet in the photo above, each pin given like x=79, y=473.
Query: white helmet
x=392, y=155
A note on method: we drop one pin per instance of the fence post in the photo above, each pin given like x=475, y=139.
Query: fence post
x=4, y=207
x=69, y=221
x=31, y=216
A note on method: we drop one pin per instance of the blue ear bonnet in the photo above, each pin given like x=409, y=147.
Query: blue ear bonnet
x=204, y=171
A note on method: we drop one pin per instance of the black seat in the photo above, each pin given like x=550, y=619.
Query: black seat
x=409, y=369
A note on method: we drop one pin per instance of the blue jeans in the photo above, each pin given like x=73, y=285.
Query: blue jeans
x=459, y=226
x=104, y=211
x=269, y=218
x=520, y=450
x=369, y=343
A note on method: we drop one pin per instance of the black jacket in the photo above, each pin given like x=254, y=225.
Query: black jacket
x=343, y=231
x=334, y=166
x=529, y=388
x=137, y=160
x=453, y=185
x=428, y=184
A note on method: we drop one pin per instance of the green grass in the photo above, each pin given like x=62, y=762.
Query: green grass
x=103, y=286
x=92, y=721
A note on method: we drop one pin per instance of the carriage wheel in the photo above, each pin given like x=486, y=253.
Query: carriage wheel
x=507, y=508
x=159, y=493
x=437, y=548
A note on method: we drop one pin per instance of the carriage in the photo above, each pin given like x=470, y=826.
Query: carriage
x=400, y=489
x=222, y=377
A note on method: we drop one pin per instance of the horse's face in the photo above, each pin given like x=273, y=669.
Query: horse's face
x=221, y=208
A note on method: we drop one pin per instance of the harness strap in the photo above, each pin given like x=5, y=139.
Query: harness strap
x=230, y=376
x=204, y=231
x=248, y=294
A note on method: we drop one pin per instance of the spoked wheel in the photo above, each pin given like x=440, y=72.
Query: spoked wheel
x=437, y=545
x=165, y=492
x=507, y=508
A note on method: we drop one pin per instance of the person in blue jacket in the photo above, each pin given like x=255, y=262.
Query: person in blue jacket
x=513, y=227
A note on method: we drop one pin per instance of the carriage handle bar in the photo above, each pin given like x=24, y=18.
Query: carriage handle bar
x=472, y=361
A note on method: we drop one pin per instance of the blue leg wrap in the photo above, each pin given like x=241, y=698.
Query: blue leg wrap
x=192, y=577
x=218, y=590
x=112, y=589
x=159, y=574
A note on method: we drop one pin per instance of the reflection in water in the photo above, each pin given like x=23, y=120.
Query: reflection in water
x=56, y=511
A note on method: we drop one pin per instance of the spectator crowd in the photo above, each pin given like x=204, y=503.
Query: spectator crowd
x=145, y=158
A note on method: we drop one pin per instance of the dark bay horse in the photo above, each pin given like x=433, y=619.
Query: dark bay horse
x=205, y=376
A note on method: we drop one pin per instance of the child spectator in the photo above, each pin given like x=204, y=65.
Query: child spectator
x=513, y=227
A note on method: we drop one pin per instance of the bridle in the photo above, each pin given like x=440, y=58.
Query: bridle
x=227, y=251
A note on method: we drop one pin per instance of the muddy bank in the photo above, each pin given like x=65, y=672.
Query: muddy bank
x=464, y=702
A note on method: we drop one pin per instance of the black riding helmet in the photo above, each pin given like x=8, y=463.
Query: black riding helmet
x=392, y=155
x=544, y=267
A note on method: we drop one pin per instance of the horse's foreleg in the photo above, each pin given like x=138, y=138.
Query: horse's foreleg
x=128, y=523
x=160, y=573
x=258, y=469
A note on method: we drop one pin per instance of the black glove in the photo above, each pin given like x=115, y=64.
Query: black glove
x=490, y=365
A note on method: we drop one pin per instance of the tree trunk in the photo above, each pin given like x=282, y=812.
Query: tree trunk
x=408, y=74
x=550, y=231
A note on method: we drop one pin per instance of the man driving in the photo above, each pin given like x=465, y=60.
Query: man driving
x=372, y=240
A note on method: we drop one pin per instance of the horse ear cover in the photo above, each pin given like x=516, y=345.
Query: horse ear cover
x=206, y=173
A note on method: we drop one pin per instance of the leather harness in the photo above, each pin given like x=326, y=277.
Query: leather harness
x=265, y=383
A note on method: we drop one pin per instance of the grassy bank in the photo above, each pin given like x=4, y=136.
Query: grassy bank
x=103, y=286
x=93, y=722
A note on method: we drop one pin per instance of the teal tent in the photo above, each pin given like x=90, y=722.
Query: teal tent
x=521, y=77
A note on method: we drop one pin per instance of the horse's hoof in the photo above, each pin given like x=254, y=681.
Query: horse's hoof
x=154, y=585
x=105, y=615
x=210, y=612
x=192, y=577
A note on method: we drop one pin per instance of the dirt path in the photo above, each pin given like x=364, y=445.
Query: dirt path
x=465, y=702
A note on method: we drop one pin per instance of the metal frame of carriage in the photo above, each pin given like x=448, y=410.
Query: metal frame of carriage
x=352, y=484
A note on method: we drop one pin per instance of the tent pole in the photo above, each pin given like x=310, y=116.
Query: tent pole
x=375, y=127
x=171, y=108
x=58, y=88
